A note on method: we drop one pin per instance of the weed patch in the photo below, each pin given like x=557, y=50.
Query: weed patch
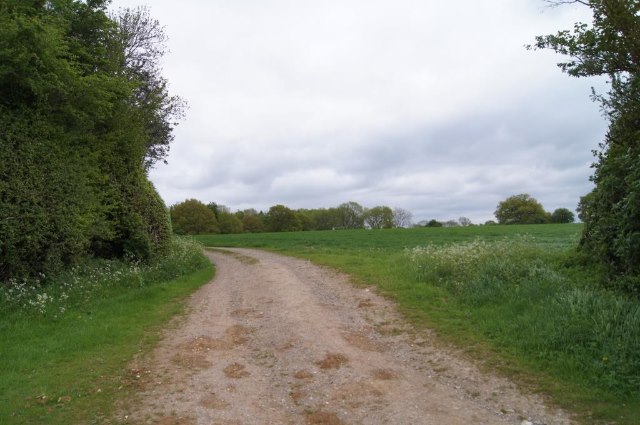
x=521, y=299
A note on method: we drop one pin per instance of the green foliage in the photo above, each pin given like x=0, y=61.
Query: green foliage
x=214, y=207
x=42, y=222
x=584, y=206
x=610, y=46
x=351, y=215
x=282, y=219
x=380, y=217
x=562, y=215
x=252, y=223
x=229, y=223
x=520, y=209
x=326, y=219
x=305, y=219
x=79, y=130
x=192, y=217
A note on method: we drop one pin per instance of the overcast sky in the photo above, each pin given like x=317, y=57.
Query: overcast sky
x=432, y=106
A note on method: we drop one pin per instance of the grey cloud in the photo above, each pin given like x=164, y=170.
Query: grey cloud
x=431, y=106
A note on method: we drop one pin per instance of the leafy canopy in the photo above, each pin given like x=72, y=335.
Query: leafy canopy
x=192, y=217
x=80, y=124
x=520, y=209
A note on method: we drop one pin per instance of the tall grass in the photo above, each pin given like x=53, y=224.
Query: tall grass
x=523, y=298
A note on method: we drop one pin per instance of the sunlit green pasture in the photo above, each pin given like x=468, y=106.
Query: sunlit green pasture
x=518, y=299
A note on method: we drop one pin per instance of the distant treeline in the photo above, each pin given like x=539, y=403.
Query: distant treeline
x=194, y=217
x=84, y=114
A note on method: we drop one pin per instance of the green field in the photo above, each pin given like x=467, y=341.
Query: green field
x=518, y=299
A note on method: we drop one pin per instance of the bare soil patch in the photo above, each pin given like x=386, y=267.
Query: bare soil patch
x=191, y=360
x=385, y=374
x=173, y=420
x=276, y=340
x=332, y=361
x=365, y=342
x=303, y=374
x=212, y=401
x=323, y=418
x=236, y=371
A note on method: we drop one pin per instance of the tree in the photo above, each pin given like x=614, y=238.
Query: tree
x=520, y=209
x=465, y=222
x=433, y=223
x=252, y=223
x=610, y=46
x=380, y=217
x=282, y=219
x=584, y=206
x=351, y=215
x=214, y=207
x=562, y=215
x=305, y=219
x=402, y=217
x=142, y=42
x=192, y=217
x=229, y=223
x=326, y=219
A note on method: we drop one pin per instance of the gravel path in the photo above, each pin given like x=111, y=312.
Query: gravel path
x=277, y=340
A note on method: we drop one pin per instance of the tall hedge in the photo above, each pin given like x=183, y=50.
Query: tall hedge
x=610, y=46
x=79, y=128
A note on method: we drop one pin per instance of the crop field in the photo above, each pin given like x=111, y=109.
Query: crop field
x=519, y=299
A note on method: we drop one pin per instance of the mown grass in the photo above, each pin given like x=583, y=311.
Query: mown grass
x=65, y=359
x=517, y=298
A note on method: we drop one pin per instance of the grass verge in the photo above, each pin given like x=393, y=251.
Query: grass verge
x=64, y=359
x=515, y=298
